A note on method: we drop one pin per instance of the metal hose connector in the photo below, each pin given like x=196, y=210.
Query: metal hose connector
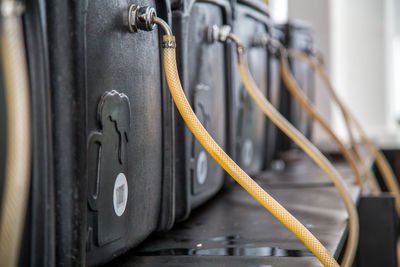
x=18, y=159
x=144, y=18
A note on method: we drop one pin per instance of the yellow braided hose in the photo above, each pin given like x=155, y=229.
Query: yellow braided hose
x=317, y=68
x=312, y=151
x=380, y=159
x=17, y=173
x=299, y=95
x=230, y=166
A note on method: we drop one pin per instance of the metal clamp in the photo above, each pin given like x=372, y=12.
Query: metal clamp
x=169, y=44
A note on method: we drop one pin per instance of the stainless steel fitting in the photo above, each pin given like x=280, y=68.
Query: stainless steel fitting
x=261, y=40
x=141, y=18
x=218, y=33
x=222, y=34
x=264, y=40
x=145, y=18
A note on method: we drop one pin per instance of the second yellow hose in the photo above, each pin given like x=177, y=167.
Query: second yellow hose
x=230, y=166
x=387, y=172
x=316, y=68
x=312, y=151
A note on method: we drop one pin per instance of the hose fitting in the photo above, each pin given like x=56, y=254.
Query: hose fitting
x=260, y=40
x=274, y=46
x=145, y=18
x=141, y=18
x=222, y=34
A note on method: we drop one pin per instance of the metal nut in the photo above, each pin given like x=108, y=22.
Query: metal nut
x=141, y=18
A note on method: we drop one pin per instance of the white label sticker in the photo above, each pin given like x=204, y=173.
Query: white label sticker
x=247, y=152
x=201, y=168
x=120, y=196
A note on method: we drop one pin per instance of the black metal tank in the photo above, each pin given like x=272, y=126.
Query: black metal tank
x=204, y=70
x=275, y=93
x=128, y=126
x=297, y=36
x=102, y=177
x=255, y=134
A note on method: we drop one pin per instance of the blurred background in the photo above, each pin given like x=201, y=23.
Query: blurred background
x=360, y=44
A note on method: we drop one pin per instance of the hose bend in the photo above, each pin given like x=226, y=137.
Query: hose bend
x=229, y=165
x=381, y=161
x=18, y=159
x=299, y=95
